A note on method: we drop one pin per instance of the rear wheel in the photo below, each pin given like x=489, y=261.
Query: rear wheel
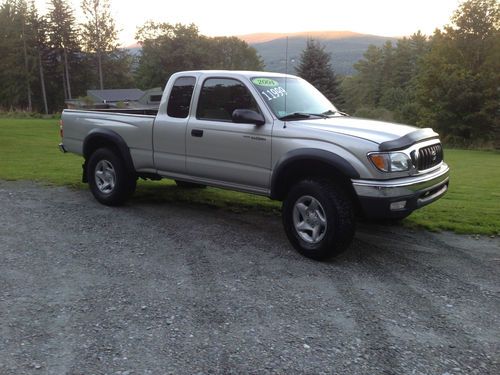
x=318, y=218
x=109, y=180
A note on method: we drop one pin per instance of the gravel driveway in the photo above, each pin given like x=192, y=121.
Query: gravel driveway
x=185, y=289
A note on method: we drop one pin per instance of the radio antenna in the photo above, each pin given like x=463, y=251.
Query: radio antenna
x=286, y=74
x=286, y=55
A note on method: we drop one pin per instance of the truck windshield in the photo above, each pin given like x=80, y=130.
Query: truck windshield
x=293, y=98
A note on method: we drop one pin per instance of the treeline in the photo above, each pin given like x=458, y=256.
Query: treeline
x=50, y=58
x=449, y=81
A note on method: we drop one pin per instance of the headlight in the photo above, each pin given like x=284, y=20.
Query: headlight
x=390, y=161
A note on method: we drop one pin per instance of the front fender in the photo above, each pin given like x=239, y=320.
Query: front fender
x=335, y=161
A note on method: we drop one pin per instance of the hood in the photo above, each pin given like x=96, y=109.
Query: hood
x=375, y=131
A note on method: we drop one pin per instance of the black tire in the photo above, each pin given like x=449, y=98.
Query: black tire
x=323, y=229
x=189, y=185
x=109, y=180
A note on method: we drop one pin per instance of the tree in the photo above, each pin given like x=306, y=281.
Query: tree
x=234, y=53
x=459, y=80
x=26, y=38
x=368, y=81
x=167, y=49
x=17, y=70
x=38, y=26
x=10, y=95
x=42, y=63
x=63, y=39
x=385, y=82
x=118, y=69
x=315, y=67
x=99, y=32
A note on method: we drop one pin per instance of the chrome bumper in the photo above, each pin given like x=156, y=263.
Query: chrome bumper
x=404, y=186
x=398, y=198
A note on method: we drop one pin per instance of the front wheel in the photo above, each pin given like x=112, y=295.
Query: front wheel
x=109, y=180
x=318, y=218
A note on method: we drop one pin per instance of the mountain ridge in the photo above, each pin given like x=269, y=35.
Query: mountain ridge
x=267, y=37
x=344, y=47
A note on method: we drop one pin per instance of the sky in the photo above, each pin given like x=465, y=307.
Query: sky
x=234, y=17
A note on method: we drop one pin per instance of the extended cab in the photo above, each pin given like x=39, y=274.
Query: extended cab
x=269, y=134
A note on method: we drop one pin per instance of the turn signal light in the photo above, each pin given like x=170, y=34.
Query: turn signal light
x=380, y=161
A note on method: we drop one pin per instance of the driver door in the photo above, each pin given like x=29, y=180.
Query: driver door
x=222, y=151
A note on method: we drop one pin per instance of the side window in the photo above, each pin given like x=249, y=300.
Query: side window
x=180, y=97
x=219, y=97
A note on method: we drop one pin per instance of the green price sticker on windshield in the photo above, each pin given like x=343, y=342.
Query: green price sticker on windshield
x=265, y=82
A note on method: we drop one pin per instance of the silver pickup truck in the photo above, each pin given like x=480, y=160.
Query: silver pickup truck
x=269, y=134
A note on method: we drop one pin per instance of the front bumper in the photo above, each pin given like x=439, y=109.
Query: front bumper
x=398, y=198
x=62, y=148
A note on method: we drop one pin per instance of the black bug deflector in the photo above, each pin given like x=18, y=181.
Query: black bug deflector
x=408, y=140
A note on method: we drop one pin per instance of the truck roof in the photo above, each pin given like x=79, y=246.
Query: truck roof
x=233, y=73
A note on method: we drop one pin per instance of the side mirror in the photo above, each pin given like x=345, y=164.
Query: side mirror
x=247, y=116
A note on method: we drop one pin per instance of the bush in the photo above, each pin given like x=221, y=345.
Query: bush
x=453, y=141
x=20, y=114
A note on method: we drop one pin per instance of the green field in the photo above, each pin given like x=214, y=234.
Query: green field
x=28, y=151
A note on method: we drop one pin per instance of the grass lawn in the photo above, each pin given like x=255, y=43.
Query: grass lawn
x=28, y=151
x=472, y=204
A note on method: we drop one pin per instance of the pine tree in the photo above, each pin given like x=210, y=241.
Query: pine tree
x=315, y=66
x=63, y=38
x=17, y=62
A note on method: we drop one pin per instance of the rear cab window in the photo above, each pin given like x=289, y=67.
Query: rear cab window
x=179, y=100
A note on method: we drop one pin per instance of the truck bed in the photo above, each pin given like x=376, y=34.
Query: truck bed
x=136, y=129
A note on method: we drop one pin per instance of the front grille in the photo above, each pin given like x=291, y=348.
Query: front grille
x=429, y=156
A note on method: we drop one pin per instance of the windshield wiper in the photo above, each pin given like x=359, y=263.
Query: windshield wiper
x=295, y=116
x=330, y=112
x=302, y=115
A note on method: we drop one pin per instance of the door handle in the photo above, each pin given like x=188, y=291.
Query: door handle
x=197, y=133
